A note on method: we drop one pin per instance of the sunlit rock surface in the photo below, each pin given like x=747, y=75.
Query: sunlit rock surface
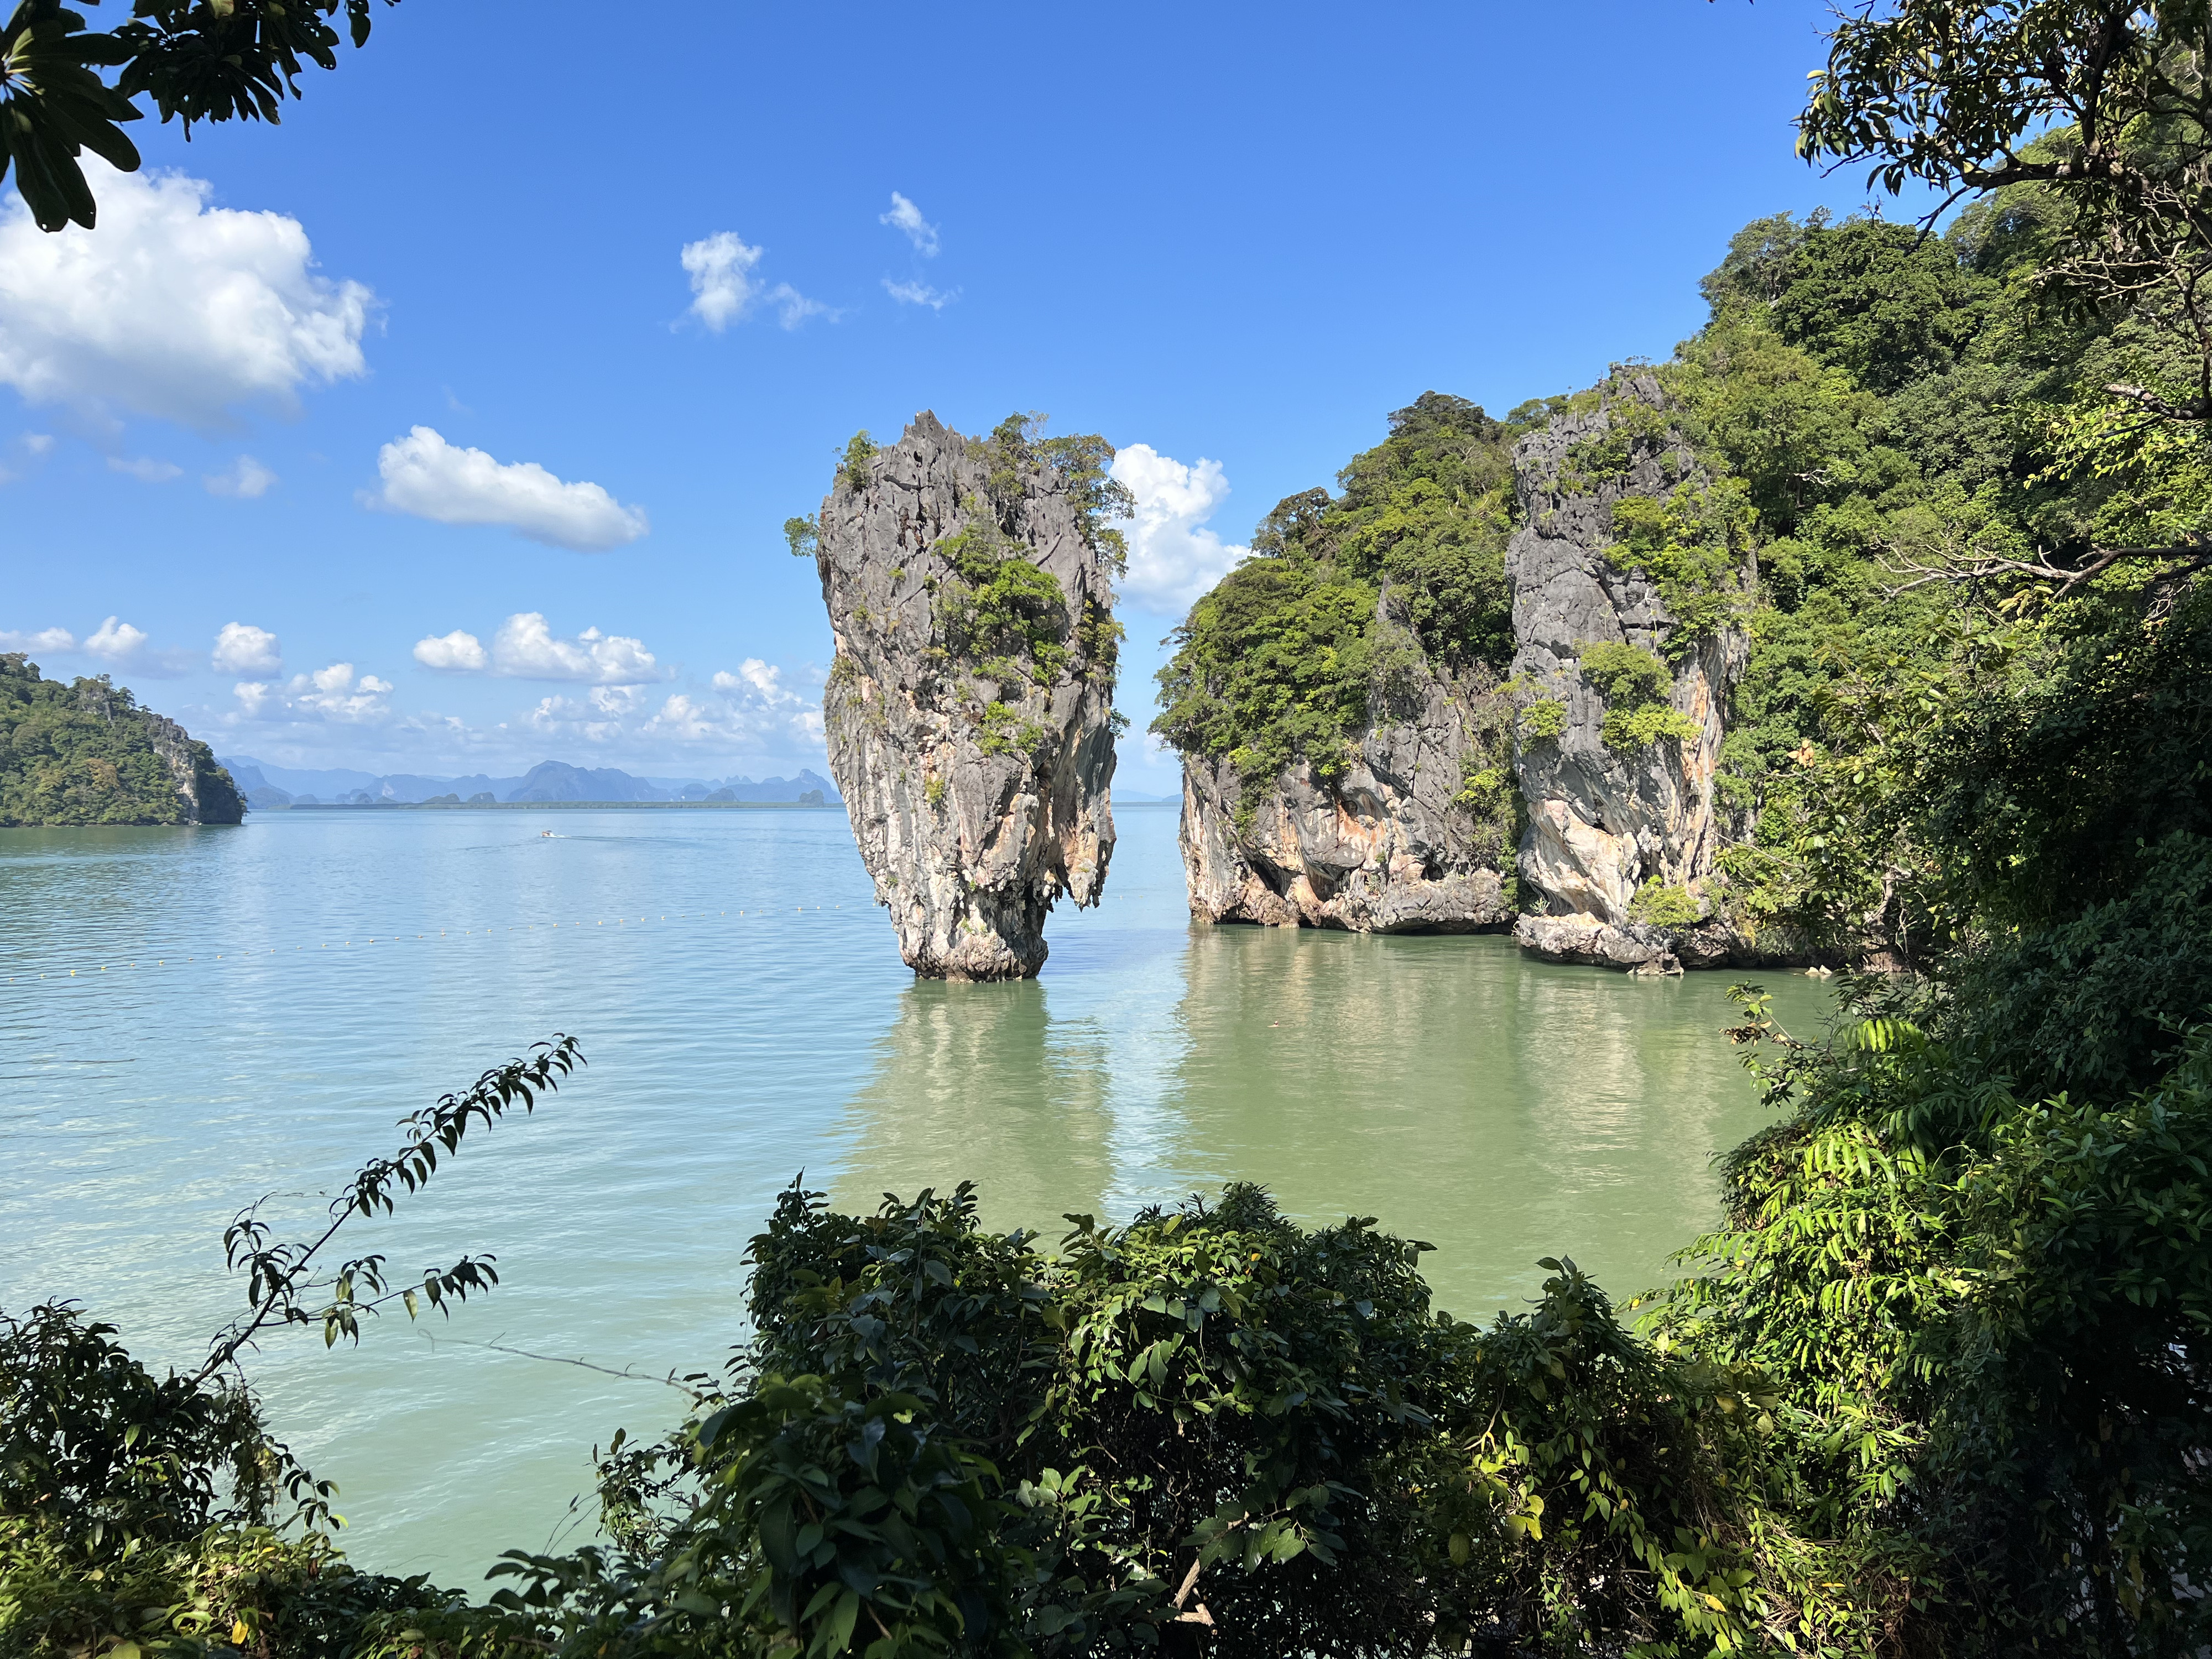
x=977, y=778
x=1383, y=847
x=1603, y=820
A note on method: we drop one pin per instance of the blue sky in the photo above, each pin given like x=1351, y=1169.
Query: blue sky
x=239, y=417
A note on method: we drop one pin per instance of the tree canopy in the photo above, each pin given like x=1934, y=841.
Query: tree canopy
x=65, y=89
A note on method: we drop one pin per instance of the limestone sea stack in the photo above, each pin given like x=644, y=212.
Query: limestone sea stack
x=969, y=706
x=1625, y=699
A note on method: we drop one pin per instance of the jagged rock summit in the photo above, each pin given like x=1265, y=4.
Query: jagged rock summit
x=969, y=709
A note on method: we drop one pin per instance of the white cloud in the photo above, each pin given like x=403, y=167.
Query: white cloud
x=525, y=649
x=751, y=711
x=249, y=651
x=329, y=695
x=145, y=469
x=455, y=652
x=428, y=476
x=920, y=294
x=46, y=640
x=248, y=480
x=172, y=308
x=724, y=288
x=116, y=641
x=123, y=648
x=906, y=217
x=721, y=268
x=1172, y=558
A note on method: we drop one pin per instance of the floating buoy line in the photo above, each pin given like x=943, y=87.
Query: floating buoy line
x=146, y=961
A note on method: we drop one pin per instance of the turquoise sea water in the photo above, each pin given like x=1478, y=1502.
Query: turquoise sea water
x=250, y=1010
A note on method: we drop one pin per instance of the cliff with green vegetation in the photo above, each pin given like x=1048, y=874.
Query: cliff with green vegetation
x=969, y=709
x=1934, y=1382
x=1338, y=699
x=1636, y=626
x=86, y=753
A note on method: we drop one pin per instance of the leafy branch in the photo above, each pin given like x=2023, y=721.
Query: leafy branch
x=282, y=1284
x=198, y=60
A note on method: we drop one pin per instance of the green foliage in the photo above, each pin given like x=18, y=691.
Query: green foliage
x=84, y=754
x=1003, y=730
x=852, y=470
x=1691, y=543
x=1542, y=720
x=198, y=62
x=1296, y=649
x=1634, y=684
x=1658, y=905
x=1624, y=674
x=942, y=1440
x=1000, y=613
x=1642, y=727
x=801, y=535
x=1078, y=463
x=142, y=1514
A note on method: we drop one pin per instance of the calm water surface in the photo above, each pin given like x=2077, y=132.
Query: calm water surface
x=251, y=1009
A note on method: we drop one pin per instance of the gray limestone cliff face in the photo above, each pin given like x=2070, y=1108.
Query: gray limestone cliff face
x=1387, y=846
x=209, y=795
x=1601, y=820
x=204, y=789
x=975, y=752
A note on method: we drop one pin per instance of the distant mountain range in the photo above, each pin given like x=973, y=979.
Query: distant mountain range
x=265, y=786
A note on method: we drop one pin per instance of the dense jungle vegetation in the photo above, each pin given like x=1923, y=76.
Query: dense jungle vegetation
x=1934, y=1384
x=84, y=753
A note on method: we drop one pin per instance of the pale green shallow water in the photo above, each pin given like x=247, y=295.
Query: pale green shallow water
x=1501, y=1108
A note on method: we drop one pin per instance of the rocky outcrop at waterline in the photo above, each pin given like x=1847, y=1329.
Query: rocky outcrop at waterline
x=969, y=706
x=1389, y=844
x=1556, y=771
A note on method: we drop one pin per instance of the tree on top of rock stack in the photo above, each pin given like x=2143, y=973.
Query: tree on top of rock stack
x=969, y=712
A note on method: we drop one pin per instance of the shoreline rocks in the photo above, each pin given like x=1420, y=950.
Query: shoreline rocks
x=1387, y=846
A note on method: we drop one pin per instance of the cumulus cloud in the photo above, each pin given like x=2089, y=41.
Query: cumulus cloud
x=428, y=476
x=116, y=640
x=44, y=640
x=144, y=468
x=724, y=289
x=248, y=480
x=1173, y=558
x=907, y=217
x=123, y=648
x=919, y=294
x=248, y=651
x=751, y=710
x=457, y=653
x=172, y=308
x=332, y=695
x=526, y=648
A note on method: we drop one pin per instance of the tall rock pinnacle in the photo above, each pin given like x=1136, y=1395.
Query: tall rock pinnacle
x=969, y=708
